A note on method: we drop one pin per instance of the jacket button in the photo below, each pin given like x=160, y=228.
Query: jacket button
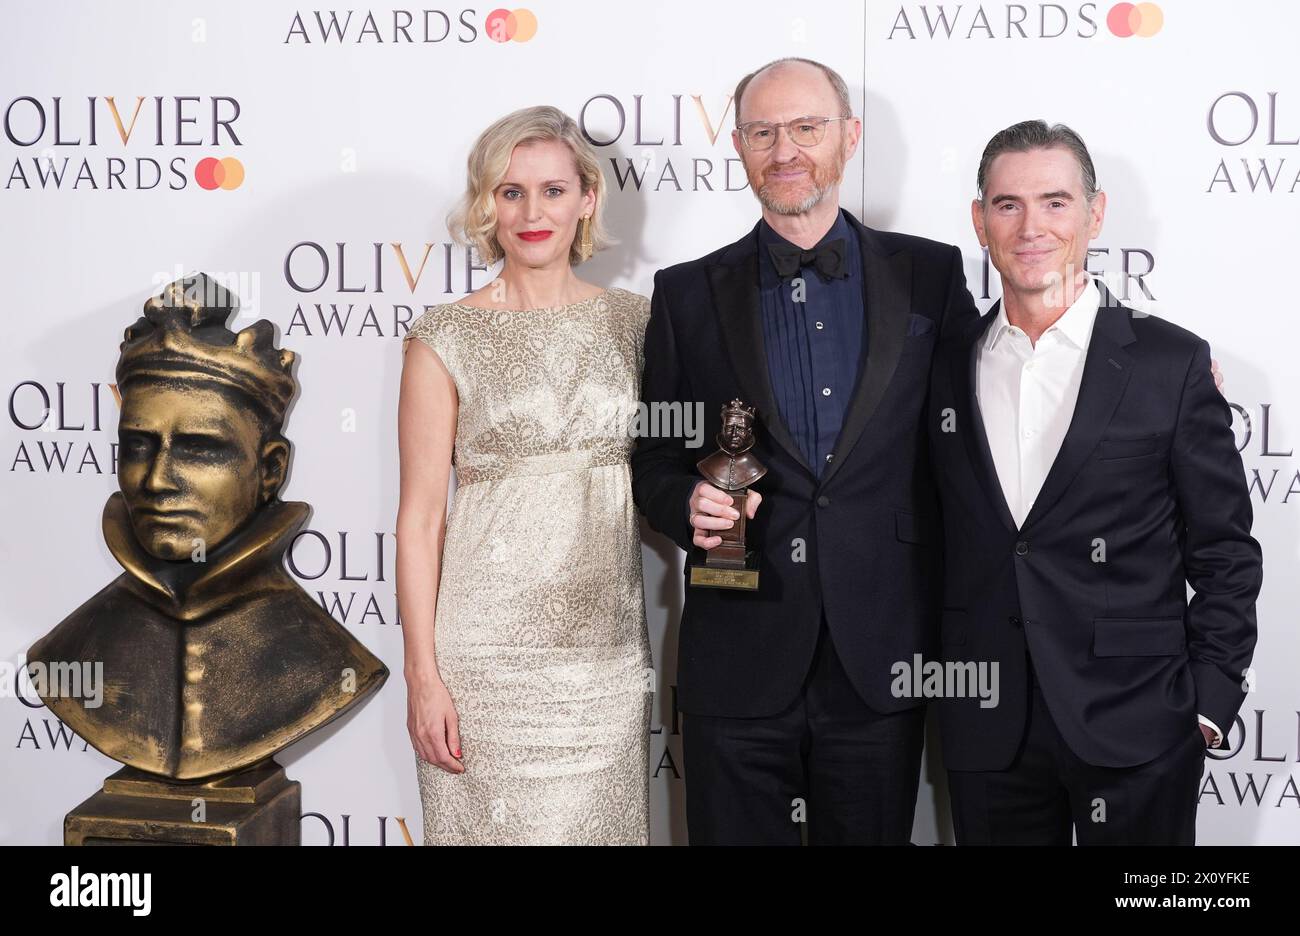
x=1013, y=621
x=823, y=501
x=1022, y=548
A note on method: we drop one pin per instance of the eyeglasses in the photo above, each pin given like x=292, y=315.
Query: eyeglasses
x=803, y=131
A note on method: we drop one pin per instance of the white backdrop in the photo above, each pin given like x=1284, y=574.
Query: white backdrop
x=352, y=141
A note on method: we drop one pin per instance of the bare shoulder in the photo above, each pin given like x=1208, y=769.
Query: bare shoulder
x=481, y=298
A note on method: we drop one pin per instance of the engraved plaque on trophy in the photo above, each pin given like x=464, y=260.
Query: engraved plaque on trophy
x=732, y=468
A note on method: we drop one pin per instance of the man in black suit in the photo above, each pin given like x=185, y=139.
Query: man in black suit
x=1088, y=473
x=828, y=328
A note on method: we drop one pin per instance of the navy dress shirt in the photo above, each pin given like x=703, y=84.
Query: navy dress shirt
x=815, y=348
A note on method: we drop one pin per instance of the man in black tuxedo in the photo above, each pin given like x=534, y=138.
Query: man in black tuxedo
x=1088, y=472
x=828, y=328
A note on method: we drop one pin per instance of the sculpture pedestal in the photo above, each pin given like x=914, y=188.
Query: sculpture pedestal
x=255, y=806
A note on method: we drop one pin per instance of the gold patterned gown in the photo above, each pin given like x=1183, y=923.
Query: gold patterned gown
x=540, y=630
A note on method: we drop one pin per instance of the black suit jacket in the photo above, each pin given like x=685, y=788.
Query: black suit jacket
x=861, y=542
x=1146, y=495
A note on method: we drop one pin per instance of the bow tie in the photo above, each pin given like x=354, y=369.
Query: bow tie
x=827, y=259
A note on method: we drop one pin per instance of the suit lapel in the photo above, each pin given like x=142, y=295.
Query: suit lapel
x=977, y=441
x=1106, y=371
x=888, y=291
x=734, y=280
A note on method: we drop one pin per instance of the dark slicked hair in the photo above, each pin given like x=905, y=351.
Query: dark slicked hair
x=1034, y=135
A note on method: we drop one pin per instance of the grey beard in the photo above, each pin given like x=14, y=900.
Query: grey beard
x=765, y=199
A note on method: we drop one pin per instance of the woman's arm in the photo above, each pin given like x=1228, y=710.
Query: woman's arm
x=426, y=432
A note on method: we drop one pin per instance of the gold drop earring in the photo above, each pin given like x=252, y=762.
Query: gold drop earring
x=584, y=242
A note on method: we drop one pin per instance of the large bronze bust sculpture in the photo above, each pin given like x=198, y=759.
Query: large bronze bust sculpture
x=214, y=658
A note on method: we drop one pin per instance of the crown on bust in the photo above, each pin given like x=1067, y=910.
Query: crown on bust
x=737, y=408
x=183, y=336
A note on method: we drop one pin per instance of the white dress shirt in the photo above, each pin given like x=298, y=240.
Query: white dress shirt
x=1027, y=392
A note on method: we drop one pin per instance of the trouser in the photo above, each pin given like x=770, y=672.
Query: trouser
x=827, y=760
x=1047, y=790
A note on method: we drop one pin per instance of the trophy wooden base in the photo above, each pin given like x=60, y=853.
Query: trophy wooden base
x=741, y=574
x=255, y=806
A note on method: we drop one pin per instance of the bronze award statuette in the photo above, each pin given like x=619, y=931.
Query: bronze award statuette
x=732, y=469
x=210, y=656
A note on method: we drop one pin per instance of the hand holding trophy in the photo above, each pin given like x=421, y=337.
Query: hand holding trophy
x=731, y=470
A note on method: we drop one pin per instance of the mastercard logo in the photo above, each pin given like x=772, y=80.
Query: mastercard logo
x=1135, y=19
x=212, y=173
x=511, y=25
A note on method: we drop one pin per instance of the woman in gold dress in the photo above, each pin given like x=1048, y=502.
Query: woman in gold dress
x=527, y=660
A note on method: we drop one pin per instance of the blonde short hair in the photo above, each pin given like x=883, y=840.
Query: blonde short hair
x=474, y=219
